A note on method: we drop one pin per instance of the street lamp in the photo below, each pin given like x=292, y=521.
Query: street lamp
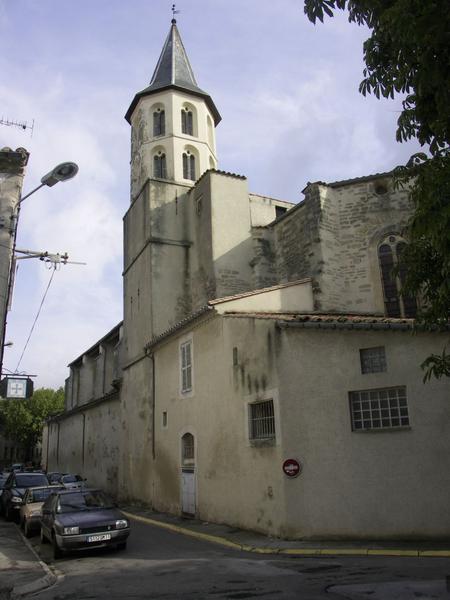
x=61, y=172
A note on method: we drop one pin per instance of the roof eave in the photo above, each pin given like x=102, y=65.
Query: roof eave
x=150, y=92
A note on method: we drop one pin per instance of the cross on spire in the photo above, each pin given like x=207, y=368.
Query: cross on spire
x=174, y=12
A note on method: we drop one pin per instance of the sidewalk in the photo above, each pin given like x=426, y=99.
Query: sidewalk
x=261, y=544
x=21, y=570
x=23, y=573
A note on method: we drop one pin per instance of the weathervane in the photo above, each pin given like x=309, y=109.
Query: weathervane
x=174, y=12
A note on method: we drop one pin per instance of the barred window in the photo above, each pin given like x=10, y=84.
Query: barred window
x=373, y=360
x=186, y=366
x=379, y=409
x=261, y=420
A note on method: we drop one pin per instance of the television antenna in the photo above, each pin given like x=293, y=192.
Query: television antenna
x=19, y=124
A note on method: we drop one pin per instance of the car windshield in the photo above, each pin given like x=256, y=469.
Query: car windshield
x=40, y=495
x=26, y=481
x=70, y=479
x=78, y=501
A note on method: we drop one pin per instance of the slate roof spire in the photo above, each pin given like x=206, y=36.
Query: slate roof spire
x=174, y=70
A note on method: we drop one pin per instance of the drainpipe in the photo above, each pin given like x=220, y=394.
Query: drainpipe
x=83, y=437
x=152, y=357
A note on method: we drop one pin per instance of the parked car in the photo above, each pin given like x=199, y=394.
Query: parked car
x=14, y=489
x=17, y=467
x=81, y=519
x=3, y=478
x=54, y=477
x=71, y=481
x=30, y=509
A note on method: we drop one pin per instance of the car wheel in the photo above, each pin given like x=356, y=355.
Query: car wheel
x=42, y=536
x=57, y=552
x=122, y=546
x=8, y=515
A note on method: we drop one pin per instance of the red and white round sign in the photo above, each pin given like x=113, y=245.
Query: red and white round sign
x=292, y=467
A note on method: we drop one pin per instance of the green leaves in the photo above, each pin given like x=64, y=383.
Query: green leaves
x=23, y=420
x=408, y=52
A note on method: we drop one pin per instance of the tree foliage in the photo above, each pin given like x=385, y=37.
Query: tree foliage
x=408, y=53
x=23, y=420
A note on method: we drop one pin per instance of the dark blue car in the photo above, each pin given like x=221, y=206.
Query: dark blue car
x=81, y=519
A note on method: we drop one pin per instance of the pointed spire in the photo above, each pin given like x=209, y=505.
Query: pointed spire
x=174, y=70
x=173, y=66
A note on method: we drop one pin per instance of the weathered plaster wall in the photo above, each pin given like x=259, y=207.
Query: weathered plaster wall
x=87, y=442
x=136, y=433
x=373, y=484
x=216, y=414
x=12, y=170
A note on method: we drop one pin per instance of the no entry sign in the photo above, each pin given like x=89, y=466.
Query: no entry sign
x=292, y=467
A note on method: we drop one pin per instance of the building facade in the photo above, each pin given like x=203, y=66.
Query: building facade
x=255, y=332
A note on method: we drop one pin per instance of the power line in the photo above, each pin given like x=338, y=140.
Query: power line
x=36, y=318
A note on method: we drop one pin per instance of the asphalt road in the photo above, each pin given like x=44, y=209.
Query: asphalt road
x=159, y=564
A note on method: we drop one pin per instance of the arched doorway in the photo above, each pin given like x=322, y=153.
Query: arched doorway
x=188, y=474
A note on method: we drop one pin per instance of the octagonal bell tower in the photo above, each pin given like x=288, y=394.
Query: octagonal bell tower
x=173, y=122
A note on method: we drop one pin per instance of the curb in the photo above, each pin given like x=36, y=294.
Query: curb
x=38, y=585
x=290, y=551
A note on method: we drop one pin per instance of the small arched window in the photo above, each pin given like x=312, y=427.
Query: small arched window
x=159, y=166
x=189, y=166
x=187, y=450
x=187, y=121
x=159, y=122
x=393, y=276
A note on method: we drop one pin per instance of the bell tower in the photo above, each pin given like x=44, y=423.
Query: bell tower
x=172, y=122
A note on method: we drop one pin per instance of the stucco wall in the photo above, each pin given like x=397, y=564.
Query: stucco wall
x=235, y=481
x=87, y=442
x=136, y=425
x=373, y=484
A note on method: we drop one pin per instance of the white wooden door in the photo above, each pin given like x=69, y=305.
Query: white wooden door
x=188, y=491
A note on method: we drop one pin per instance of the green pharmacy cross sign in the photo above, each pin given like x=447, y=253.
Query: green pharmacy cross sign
x=13, y=386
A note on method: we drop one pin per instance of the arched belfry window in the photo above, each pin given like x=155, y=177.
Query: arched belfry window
x=187, y=121
x=159, y=122
x=159, y=166
x=393, y=276
x=187, y=450
x=189, y=166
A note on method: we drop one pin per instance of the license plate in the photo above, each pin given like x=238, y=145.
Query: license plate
x=99, y=538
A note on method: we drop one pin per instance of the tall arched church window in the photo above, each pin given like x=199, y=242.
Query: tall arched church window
x=159, y=122
x=187, y=121
x=188, y=166
x=159, y=166
x=393, y=276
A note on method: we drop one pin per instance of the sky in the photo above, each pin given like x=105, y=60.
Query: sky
x=291, y=113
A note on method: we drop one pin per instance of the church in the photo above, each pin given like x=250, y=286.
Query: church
x=266, y=373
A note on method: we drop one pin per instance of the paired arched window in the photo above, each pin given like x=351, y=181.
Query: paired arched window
x=188, y=166
x=159, y=122
x=159, y=166
x=393, y=276
x=187, y=121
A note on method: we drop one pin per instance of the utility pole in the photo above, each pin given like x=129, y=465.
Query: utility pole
x=12, y=171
